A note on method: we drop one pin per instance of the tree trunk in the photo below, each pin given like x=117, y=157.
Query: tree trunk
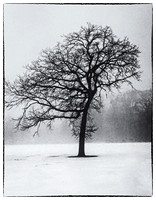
x=83, y=129
x=82, y=135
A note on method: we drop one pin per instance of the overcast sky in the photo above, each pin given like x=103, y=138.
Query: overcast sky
x=30, y=28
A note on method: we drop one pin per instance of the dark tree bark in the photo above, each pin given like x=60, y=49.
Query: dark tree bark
x=81, y=152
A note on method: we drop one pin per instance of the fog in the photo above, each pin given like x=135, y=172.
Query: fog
x=124, y=118
x=29, y=28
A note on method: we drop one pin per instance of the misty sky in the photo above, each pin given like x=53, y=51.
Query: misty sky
x=30, y=28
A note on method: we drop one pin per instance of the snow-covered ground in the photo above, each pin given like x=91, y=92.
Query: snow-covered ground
x=43, y=170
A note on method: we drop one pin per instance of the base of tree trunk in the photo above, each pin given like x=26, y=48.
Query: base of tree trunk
x=81, y=155
x=85, y=156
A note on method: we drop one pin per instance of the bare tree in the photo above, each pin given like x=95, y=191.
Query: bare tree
x=68, y=80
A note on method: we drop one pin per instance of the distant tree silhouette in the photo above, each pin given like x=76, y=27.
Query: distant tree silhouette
x=67, y=81
x=130, y=115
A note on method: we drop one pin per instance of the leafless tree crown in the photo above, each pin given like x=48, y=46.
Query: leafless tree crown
x=68, y=79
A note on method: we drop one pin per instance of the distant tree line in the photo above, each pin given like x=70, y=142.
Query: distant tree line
x=128, y=118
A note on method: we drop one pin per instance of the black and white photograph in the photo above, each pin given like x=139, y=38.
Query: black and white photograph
x=78, y=95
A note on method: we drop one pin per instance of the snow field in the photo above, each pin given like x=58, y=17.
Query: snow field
x=46, y=170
